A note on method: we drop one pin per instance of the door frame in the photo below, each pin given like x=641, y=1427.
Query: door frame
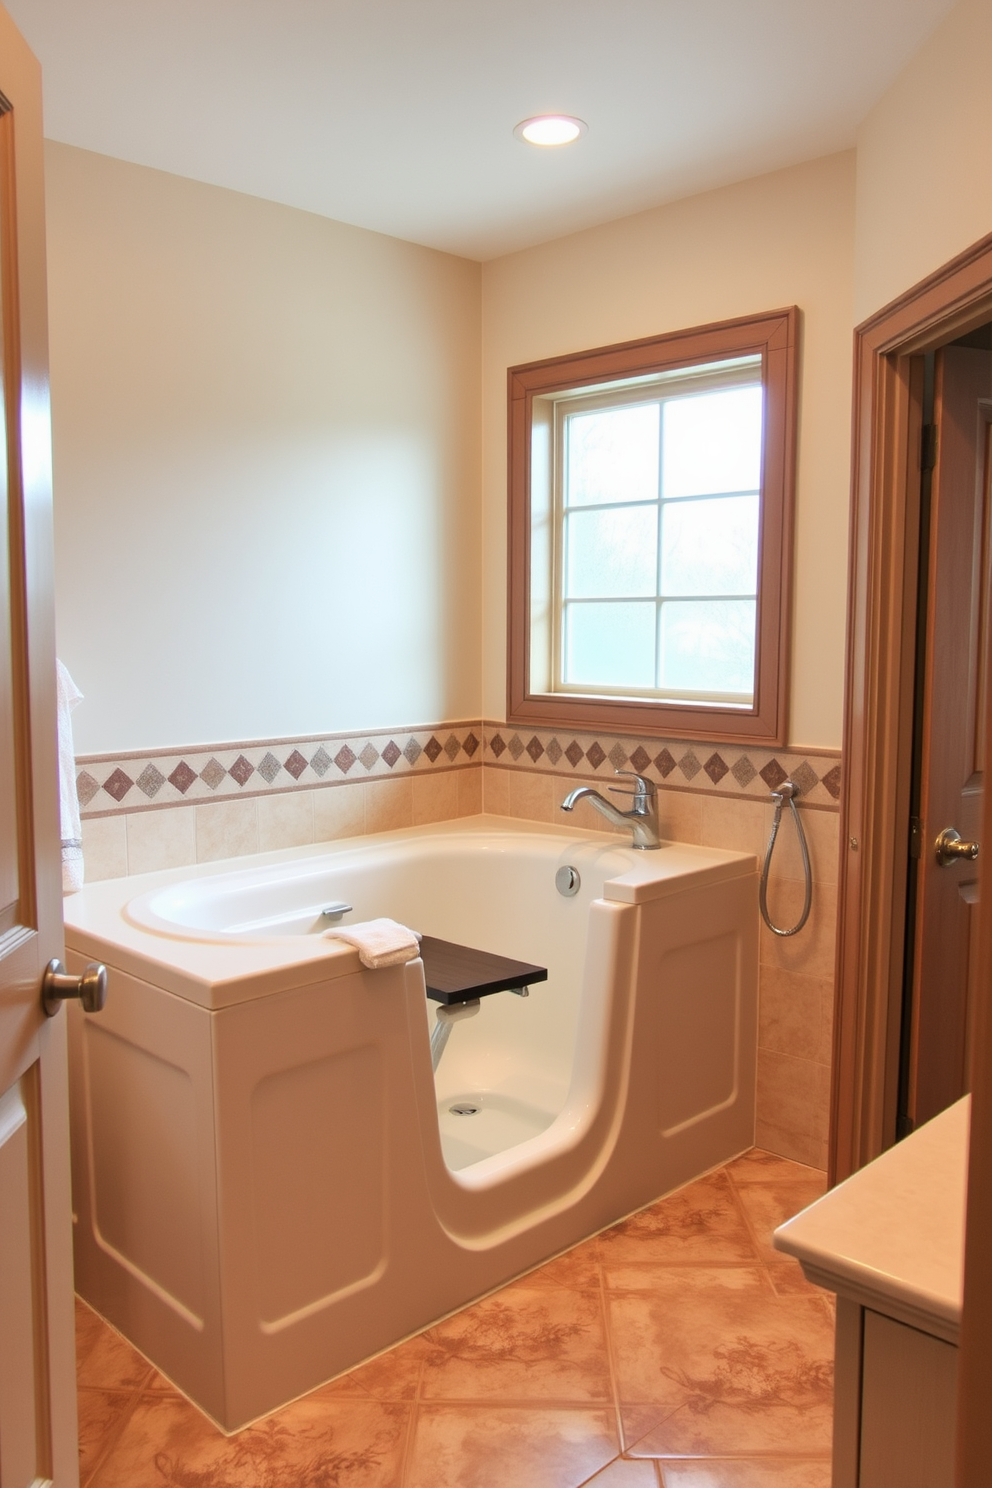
x=881, y=664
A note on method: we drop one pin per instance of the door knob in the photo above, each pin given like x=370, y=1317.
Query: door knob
x=950, y=849
x=90, y=988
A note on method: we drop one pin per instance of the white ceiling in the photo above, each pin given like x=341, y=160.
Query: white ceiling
x=397, y=115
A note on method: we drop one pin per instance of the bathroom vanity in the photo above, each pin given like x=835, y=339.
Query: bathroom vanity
x=890, y=1243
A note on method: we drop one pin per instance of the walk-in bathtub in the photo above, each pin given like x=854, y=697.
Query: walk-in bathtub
x=269, y=1183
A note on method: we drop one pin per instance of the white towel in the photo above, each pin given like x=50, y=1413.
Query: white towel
x=379, y=942
x=72, y=841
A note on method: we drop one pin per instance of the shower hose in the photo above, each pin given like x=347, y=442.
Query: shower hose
x=787, y=791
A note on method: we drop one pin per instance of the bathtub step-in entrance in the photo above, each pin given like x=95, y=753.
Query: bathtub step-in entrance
x=457, y=973
x=478, y=1125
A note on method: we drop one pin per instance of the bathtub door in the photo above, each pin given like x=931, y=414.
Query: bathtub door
x=37, y=1385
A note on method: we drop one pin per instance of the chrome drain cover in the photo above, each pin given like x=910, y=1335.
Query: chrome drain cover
x=463, y=1109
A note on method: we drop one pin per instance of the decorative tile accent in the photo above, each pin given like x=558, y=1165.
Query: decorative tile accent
x=118, y=785
x=554, y=751
x=270, y=767
x=743, y=771
x=574, y=753
x=832, y=782
x=212, y=773
x=151, y=781
x=222, y=773
x=86, y=787
x=296, y=764
x=321, y=762
x=242, y=770
x=535, y=749
x=805, y=777
x=773, y=774
x=715, y=768
x=640, y=759
x=497, y=744
x=515, y=747
x=664, y=763
x=595, y=754
x=617, y=756
x=689, y=765
x=182, y=777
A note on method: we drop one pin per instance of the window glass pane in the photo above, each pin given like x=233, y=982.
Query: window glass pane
x=708, y=645
x=610, y=645
x=612, y=456
x=712, y=443
x=611, y=552
x=710, y=547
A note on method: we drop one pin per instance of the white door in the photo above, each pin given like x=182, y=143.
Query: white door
x=37, y=1383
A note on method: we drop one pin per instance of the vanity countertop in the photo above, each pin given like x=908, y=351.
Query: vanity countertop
x=892, y=1236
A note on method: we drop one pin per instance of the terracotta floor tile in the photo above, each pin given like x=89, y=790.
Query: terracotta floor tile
x=525, y=1343
x=699, y=1223
x=787, y=1279
x=626, y=1472
x=744, y=1473
x=578, y=1268
x=392, y=1376
x=730, y=1368
x=104, y=1359
x=167, y=1443
x=102, y=1414
x=757, y=1166
x=459, y=1446
x=767, y=1205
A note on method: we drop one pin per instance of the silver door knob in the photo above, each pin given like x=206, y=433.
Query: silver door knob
x=950, y=849
x=90, y=988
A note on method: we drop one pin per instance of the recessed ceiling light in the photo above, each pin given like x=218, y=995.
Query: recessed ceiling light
x=550, y=129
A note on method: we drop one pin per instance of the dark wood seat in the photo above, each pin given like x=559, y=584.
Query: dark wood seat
x=457, y=973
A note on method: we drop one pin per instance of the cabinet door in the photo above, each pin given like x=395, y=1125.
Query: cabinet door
x=908, y=1407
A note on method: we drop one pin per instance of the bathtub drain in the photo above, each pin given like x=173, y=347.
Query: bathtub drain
x=463, y=1109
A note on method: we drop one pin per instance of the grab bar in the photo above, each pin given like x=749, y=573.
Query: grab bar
x=787, y=791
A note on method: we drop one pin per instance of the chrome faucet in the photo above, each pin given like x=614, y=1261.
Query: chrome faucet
x=642, y=818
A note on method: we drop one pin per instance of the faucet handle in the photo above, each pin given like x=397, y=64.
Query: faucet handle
x=644, y=789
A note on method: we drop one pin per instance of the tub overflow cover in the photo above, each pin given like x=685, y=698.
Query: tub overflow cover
x=567, y=880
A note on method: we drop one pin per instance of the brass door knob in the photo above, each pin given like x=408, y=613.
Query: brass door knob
x=950, y=849
x=90, y=988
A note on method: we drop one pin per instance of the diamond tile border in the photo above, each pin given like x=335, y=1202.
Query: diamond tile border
x=678, y=764
x=125, y=783
x=111, y=784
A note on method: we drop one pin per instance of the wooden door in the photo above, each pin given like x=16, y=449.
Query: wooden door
x=37, y=1385
x=952, y=744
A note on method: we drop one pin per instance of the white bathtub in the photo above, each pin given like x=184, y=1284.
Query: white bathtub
x=270, y=1185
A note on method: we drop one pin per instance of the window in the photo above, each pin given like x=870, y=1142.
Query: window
x=650, y=521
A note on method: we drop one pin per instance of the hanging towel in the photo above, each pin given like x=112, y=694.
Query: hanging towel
x=379, y=942
x=72, y=842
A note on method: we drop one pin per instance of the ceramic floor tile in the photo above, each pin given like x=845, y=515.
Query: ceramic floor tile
x=577, y=1268
x=167, y=1443
x=702, y=1223
x=758, y=1166
x=787, y=1279
x=756, y=1473
x=728, y=1368
x=102, y=1414
x=458, y=1446
x=626, y=1472
x=767, y=1205
x=104, y=1359
x=525, y=1343
x=392, y=1376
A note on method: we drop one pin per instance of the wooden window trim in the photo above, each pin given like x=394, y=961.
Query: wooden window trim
x=774, y=337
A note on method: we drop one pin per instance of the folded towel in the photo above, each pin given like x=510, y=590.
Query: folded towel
x=72, y=841
x=379, y=942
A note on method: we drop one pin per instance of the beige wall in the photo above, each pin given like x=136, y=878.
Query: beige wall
x=924, y=185
x=266, y=464
x=777, y=240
